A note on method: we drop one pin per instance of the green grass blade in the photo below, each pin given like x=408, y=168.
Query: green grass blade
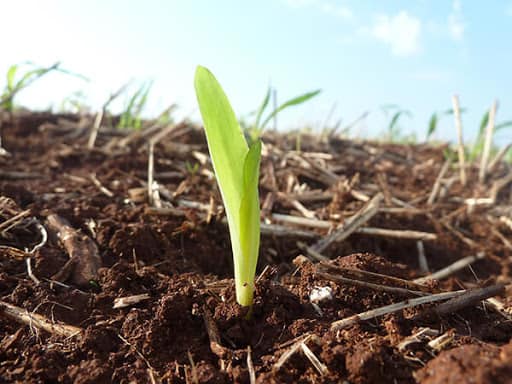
x=505, y=124
x=262, y=108
x=295, y=101
x=432, y=125
x=249, y=227
x=225, y=138
x=11, y=73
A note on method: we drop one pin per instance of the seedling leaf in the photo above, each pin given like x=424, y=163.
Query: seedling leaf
x=236, y=169
x=295, y=101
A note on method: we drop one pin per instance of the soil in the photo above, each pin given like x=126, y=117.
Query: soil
x=187, y=326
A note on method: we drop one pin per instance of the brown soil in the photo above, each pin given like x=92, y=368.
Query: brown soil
x=188, y=328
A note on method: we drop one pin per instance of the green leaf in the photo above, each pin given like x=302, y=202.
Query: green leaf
x=249, y=225
x=226, y=141
x=432, y=125
x=236, y=170
x=11, y=73
x=295, y=101
x=505, y=124
x=262, y=108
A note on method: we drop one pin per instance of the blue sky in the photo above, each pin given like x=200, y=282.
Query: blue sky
x=362, y=54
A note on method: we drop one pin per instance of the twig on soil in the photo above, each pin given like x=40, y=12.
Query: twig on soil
x=99, y=116
x=320, y=367
x=359, y=274
x=441, y=341
x=296, y=204
x=437, y=183
x=291, y=351
x=153, y=189
x=282, y=231
x=84, y=259
x=498, y=158
x=16, y=175
x=460, y=139
x=100, y=186
x=351, y=224
x=250, y=367
x=365, y=284
x=164, y=211
x=451, y=269
x=371, y=314
x=398, y=234
x=422, y=258
x=22, y=316
x=311, y=252
x=469, y=298
x=137, y=352
x=128, y=301
x=418, y=337
x=193, y=368
x=29, y=272
x=489, y=132
x=213, y=334
x=13, y=221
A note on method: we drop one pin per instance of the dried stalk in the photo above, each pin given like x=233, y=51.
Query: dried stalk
x=451, y=269
x=351, y=225
x=399, y=234
x=489, y=132
x=22, y=316
x=469, y=298
x=128, y=301
x=460, y=139
x=422, y=258
x=367, y=315
x=437, y=183
x=375, y=287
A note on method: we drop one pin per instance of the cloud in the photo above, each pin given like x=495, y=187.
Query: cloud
x=456, y=24
x=400, y=32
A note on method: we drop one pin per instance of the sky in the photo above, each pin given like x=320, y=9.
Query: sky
x=363, y=54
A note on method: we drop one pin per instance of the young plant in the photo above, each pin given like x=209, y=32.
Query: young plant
x=236, y=167
x=258, y=126
x=17, y=81
x=131, y=116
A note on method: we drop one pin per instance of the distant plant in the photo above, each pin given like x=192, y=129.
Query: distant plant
x=394, y=132
x=434, y=121
x=236, y=166
x=478, y=146
x=74, y=103
x=17, y=80
x=131, y=117
x=256, y=129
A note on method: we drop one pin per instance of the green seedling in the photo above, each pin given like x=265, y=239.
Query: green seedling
x=478, y=146
x=17, y=82
x=236, y=167
x=434, y=121
x=131, y=117
x=256, y=130
x=393, y=130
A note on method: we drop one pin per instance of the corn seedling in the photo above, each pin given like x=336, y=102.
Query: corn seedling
x=256, y=129
x=131, y=117
x=434, y=121
x=236, y=167
x=393, y=128
x=478, y=146
x=15, y=82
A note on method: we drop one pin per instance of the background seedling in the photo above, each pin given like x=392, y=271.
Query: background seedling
x=131, y=116
x=236, y=168
x=256, y=129
x=15, y=82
